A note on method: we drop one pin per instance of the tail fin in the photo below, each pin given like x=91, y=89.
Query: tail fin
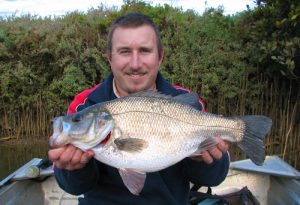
x=257, y=127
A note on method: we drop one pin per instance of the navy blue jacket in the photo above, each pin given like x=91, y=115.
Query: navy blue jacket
x=102, y=184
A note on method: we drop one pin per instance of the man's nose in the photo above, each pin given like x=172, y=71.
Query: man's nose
x=135, y=61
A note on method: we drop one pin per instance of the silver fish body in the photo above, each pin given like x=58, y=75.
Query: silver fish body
x=151, y=131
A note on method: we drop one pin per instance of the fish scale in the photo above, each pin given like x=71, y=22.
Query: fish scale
x=170, y=142
x=178, y=111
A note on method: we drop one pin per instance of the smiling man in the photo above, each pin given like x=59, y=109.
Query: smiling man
x=134, y=59
x=135, y=53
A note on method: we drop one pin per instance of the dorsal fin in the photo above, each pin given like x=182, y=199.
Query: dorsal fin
x=191, y=98
x=150, y=94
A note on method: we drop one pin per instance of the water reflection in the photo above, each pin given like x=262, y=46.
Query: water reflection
x=15, y=154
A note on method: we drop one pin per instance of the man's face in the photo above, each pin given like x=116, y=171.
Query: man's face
x=134, y=59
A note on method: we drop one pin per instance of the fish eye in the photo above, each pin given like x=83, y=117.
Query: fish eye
x=105, y=116
x=77, y=118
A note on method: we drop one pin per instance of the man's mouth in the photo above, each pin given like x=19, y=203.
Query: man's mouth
x=138, y=74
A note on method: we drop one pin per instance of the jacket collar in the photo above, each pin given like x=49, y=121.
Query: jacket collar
x=105, y=91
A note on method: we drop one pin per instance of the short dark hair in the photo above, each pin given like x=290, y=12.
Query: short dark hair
x=133, y=20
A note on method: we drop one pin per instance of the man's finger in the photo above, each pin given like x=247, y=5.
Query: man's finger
x=90, y=153
x=68, y=154
x=206, y=157
x=86, y=157
x=77, y=156
x=54, y=154
x=223, y=146
x=215, y=153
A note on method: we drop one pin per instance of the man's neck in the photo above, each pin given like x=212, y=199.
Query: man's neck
x=118, y=94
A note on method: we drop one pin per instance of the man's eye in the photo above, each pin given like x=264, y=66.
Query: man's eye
x=124, y=52
x=145, y=50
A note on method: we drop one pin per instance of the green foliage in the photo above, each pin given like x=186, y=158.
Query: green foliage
x=212, y=54
x=71, y=82
x=271, y=34
x=55, y=58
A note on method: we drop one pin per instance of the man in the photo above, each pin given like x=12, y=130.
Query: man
x=135, y=53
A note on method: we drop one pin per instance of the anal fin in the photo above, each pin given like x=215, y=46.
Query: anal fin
x=133, y=180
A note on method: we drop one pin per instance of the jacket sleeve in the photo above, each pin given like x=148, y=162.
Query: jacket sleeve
x=78, y=181
x=204, y=174
x=80, y=99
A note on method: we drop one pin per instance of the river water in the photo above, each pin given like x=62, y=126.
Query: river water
x=15, y=154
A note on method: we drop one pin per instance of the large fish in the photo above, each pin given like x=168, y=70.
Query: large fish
x=148, y=131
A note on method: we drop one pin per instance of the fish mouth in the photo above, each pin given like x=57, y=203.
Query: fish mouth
x=57, y=141
x=106, y=139
x=103, y=142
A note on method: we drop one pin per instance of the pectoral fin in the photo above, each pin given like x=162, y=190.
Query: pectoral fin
x=133, y=180
x=130, y=144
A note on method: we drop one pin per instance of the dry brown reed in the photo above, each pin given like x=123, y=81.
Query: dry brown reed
x=275, y=101
x=32, y=123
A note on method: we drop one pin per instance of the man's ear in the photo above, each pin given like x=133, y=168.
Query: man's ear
x=161, y=57
x=108, y=56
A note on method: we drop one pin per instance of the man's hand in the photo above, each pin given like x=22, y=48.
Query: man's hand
x=213, y=153
x=70, y=157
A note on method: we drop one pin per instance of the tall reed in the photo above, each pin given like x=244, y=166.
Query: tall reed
x=32, y=123
x=274, y=100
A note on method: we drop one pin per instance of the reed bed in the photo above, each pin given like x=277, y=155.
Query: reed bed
x=32, y=123
x=275, y=100
x=279, y=102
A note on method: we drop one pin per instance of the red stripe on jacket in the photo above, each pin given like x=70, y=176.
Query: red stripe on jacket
x=80, y=99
